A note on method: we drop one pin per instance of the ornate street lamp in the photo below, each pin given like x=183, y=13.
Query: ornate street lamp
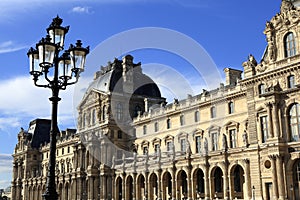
x=59, y=70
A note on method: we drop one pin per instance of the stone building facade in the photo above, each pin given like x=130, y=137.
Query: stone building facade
x=239, y=141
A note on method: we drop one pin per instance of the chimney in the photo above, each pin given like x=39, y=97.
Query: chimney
x=232, y=75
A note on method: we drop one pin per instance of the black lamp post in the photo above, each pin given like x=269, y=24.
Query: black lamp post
x=59, y=70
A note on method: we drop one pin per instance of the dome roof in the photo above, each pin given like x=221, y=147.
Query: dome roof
x=110, y=79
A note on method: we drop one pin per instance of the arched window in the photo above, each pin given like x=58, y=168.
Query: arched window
x=119, y=112
x=197, y=116
x=289, y=45
x=294, y=122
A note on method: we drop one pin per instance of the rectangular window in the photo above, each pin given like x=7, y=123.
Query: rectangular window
x=168, y=123
x=119, y=154
x=230, y=107
x=232, y=134
x=183, y=145
x=144, y=129
x=156, y=126
x=197, y=116
x=261, y=89
x=264, y=128
x=198, y=144
x=214, y=137
x=156, y=148
x=181, y=120
x=169, y=145
x=291, y=81
x=145, y=150
x=119, y=134
x=213, y=112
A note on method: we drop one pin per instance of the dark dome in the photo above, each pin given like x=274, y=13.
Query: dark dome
x=110, y=79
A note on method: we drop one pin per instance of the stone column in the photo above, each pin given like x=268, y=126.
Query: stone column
x=174, y=189
x=280, y=175
x=226, y=185
x=91, y=187
x=274, y=177
x=189, y=182
x=159, y=192
x=133, y=186
x=207, y=182
x=74, y=186
x=124, y=186
x=270, y=127
x=276, y=120
x=247, y=178
x=147, y=187
x=104, y=186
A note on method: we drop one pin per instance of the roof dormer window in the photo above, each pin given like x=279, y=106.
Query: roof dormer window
x=289, y=45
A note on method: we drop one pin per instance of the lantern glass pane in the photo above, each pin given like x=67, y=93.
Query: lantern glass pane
x=46, y=54
x=34, y=63
x=68, y=68
x=78, y=59
x=61, y=69
x=57, y=36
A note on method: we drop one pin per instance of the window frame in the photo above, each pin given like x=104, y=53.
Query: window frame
x=264, y=123
x=291, y=81
x=296, y=124
x=169, y=124
x=213, y=112
x=290, y=46
x=231, y=107
x=196, y=116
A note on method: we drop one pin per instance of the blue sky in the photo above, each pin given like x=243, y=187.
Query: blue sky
x=227, y=30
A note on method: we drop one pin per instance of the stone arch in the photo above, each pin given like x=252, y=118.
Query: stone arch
x=198, y=183
x=129, y=187
x=141, y=183
x=294, y=177
x=60, y=191
x=39, y=192
x=217, y=182
x=66, y=191
x=237, y=181
x=43, y=189
x=119, y=188
x=182, y=184
x=166, y=185
x=30, y=192
x=153, y=186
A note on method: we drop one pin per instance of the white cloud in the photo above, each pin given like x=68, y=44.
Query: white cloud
x=5, y=170
x=22, y=100
x=10, y=46
x=79, y=9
